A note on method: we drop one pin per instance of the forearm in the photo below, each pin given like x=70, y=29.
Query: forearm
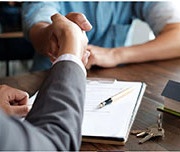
x=56, y=115
x=39, y=37
x=17, y=135
x=165, y=46
x=61, y=99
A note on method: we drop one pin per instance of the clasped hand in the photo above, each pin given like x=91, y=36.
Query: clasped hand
x=103, y=57
x=13, y=101
x=73, y=41
x=67, y=34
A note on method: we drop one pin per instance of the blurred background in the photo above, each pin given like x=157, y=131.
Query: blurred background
x=16, y=52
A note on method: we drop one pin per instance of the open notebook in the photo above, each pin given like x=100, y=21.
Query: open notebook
x=112, y=123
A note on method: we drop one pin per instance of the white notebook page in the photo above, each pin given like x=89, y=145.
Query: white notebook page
x=114, y=119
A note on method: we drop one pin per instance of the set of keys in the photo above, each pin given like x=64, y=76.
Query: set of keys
x=150, y=132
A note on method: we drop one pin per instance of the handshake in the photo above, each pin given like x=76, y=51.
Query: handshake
x=66, y=35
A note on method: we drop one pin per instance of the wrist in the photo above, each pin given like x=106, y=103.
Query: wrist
x=71, y=45
x=117, y=55
x=121, y=55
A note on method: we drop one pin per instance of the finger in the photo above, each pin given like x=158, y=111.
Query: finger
x=85, y=57
x=57, y=17
x=80, y=20
x=20, y=110
x=90, y=58
x=89, y=63
x=89, y=47
x=24, y=100
x=85, y=39
x=15, y=95
x=52, y=57
x=53, y=52
x=18, y=97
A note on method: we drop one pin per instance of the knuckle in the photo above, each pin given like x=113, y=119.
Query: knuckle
x=4, y=87
x=25, y=109
x=22, y=111
x=80, y=16
x=55, y=17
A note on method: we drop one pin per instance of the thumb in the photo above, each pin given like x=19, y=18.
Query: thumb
x=80, y=20
x=85, y=57
x=20, y=110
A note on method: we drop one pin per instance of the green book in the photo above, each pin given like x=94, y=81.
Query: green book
x=164, y=109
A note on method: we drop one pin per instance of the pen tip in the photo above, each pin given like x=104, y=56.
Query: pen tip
x=100, y=106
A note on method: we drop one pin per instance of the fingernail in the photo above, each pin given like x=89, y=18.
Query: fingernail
x=86, y=25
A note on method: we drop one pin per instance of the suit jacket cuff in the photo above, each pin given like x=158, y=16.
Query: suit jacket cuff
x=73, y=58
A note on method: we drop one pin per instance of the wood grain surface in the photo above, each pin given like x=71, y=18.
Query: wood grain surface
x=154, y=74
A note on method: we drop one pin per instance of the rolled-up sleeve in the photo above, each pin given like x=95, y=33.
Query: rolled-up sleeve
x=161, y=14
x=158, y=14
x=34, y=12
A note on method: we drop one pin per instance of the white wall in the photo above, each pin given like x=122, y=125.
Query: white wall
x=139, y=33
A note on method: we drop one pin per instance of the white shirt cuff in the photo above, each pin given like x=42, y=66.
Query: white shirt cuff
x=73, y=58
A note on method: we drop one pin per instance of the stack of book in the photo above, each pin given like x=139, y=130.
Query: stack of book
x=171, y=95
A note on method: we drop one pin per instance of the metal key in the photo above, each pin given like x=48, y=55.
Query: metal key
x=138, y=131
x=159, y=121
x=154, y=132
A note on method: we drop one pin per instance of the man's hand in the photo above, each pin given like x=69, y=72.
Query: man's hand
x=80, y=20
x=47, y=39
x=103, y=57
x=66, y=37
x=13, y=101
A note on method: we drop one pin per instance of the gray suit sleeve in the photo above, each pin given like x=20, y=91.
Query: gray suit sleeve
x=54, y=123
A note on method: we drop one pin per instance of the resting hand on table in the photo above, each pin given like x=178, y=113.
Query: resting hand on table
x=13, y=101
x=103, y=57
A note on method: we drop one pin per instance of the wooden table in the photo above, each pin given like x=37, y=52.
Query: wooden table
x=155, y=75
x=11, y=35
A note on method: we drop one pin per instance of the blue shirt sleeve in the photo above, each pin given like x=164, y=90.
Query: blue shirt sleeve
x=34, y=12
x=110, y=27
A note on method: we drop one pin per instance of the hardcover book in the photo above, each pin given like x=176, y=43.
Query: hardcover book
x=171, y=95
